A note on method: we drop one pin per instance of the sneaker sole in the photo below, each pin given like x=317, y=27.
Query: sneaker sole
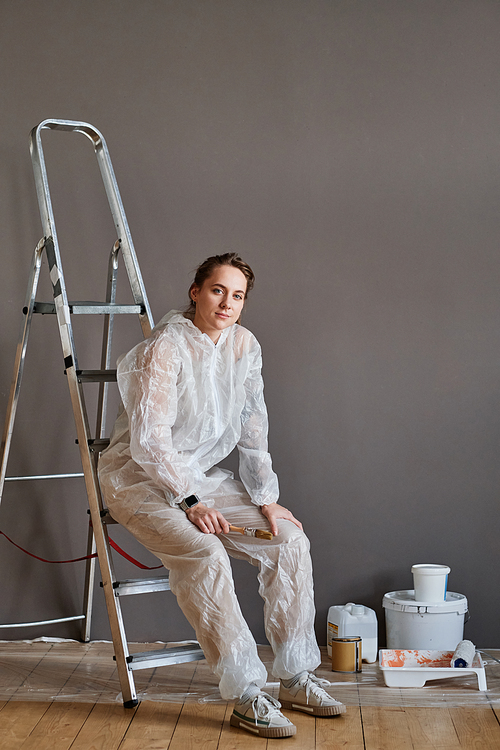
x=314, y=710
x=271, y=732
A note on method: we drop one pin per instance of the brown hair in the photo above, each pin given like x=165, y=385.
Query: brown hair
x=205, y=270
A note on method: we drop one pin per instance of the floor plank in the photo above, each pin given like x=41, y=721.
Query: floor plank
x=58, y=727
x=341, y=731
x=104, y=728
x=17, y=721
x=432, y=728
x=152, y=726
x=476, y=727
x=199, y=726
x=385, y=729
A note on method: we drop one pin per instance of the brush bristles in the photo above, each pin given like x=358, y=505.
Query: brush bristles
x=261, y=534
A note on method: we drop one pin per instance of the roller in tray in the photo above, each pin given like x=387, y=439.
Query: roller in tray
x=414, y=668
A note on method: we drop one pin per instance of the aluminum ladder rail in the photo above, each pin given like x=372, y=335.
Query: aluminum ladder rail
x=90, y=446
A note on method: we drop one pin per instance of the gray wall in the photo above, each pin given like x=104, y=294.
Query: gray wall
x=350, y=151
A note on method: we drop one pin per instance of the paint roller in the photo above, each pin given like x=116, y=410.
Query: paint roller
x=464, y=655
x=258, y=533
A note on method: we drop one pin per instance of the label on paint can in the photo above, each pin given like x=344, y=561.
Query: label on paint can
x=346, y=654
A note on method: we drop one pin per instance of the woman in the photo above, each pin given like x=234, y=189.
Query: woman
x=191, y=393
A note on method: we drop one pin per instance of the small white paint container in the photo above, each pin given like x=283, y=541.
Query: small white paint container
x=430, y=582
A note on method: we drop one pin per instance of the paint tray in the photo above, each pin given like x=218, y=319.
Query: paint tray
x=414, y=668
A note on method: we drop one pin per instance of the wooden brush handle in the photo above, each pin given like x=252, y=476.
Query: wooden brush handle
x=239, y=529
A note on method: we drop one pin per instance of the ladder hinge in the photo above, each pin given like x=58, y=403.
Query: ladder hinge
x=68, y=362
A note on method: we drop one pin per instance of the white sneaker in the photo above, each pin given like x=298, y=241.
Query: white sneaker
x=307, y=694
x=261, y=715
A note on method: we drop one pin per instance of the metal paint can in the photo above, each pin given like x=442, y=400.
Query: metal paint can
x=346, y=654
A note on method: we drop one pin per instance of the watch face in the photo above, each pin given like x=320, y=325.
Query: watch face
x=191, y=501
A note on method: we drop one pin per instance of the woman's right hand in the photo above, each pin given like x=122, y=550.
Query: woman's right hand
x=208, y=520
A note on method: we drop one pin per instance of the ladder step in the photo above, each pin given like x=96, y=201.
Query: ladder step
x=99, y=443
x=96, y=376
x=132, y=586
x=172, y=655
x=88, y=308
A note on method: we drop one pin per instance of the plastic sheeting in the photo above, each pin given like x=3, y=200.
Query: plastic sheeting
x=51, y=670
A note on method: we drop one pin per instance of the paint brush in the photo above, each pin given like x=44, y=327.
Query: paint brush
x=259, y=533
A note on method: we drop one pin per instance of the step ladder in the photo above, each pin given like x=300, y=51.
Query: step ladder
x=90, y=445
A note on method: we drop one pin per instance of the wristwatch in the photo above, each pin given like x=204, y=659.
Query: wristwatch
x=189, y=502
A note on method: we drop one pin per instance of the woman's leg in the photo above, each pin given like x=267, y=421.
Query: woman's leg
x=285, y=578
x=201, y=579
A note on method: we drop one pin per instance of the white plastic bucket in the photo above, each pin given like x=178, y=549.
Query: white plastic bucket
x=430, y=582
x=346, y=620
x=416, y=625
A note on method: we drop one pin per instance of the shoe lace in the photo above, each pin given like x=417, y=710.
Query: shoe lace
x=314, y=686
x=265, y=706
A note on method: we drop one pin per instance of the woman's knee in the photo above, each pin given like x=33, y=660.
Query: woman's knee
x=290, y=534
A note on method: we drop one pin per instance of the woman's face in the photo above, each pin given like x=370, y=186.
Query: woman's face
x=219, y=301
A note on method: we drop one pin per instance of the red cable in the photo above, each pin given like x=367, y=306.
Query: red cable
x=85, y=557
x=131, y=559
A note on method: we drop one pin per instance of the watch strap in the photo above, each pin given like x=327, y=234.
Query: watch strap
x=189, y=502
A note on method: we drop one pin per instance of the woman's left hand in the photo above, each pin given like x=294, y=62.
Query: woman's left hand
x=273, y=511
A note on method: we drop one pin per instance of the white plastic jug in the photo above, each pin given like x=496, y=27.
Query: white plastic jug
x=354, y=619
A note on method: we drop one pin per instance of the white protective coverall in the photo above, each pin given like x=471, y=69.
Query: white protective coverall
x=187, y=403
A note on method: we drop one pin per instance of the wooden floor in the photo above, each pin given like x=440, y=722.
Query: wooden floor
x=65, y=696
x=31, y=725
